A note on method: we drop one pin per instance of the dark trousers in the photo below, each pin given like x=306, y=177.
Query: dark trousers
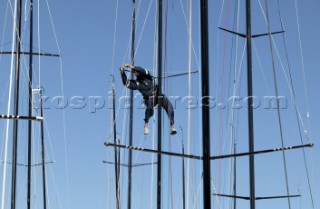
x=151, y=102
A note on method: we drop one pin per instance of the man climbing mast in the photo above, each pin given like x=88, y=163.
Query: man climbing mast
x=146, y=85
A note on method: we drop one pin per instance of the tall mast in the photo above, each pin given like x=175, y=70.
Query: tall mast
x=205, y=104
x=115, y=149
x=183, y=176
x=235, y=176
x=16, y=107
x=131, y=105
x=159, y=100
x=43, y=155
x=30, y=106
x=250, y=111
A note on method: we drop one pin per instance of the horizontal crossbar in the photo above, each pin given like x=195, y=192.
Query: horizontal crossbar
x=153, y=151
x=170, y=76
x=253, y=36
x=19, y=117
x=211, y=158
x=38, y=54
x=260, y=152
x=257, y=198
x=33, y=165
x=125, y=165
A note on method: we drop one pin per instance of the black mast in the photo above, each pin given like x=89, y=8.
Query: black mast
x=183, y=176
x=131, y=105
x=250, y=111
x=205, y=104
x=159, y=100
x=16, y=107
x=115, y=149
x=43, y=155
x=30, y=106
x=235, y=175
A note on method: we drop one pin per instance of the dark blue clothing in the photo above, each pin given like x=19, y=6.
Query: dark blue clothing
x=143, y=83
x=165, y=103
x=147, y=87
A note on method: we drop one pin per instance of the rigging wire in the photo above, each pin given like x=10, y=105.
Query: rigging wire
x=123, y=135
x=4, y=26
x=155, y=53
x=61, y=89
x=49, y=139
x=8, y=109
x=167, y=87
x=189, y=29
x=306, y=100
x=222, y=99
x=12, y=52
x=124, y=88
x=189, y=25
x=237, y=83
x=292, y=91
x=197, y=193
x=278, y=109
x=144, y=23
x=298, y=115
x=303, y=67
x=222, y=79
x=7, y=84
x=114, y=38
x=215, y=192
x=233, y=140
x=289, y=85
x=307, y=109
x=293, y=95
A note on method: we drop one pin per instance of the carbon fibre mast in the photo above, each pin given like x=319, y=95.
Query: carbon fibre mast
x=30, y=107
x=116, y=169
x=16, y=106
x=205, y=108
x=159, y=47
x=131, y=104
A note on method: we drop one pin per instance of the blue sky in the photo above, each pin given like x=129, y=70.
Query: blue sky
x=94, y=40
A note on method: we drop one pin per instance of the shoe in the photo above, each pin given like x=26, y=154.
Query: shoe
x=146, y=131
x=173, y=131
